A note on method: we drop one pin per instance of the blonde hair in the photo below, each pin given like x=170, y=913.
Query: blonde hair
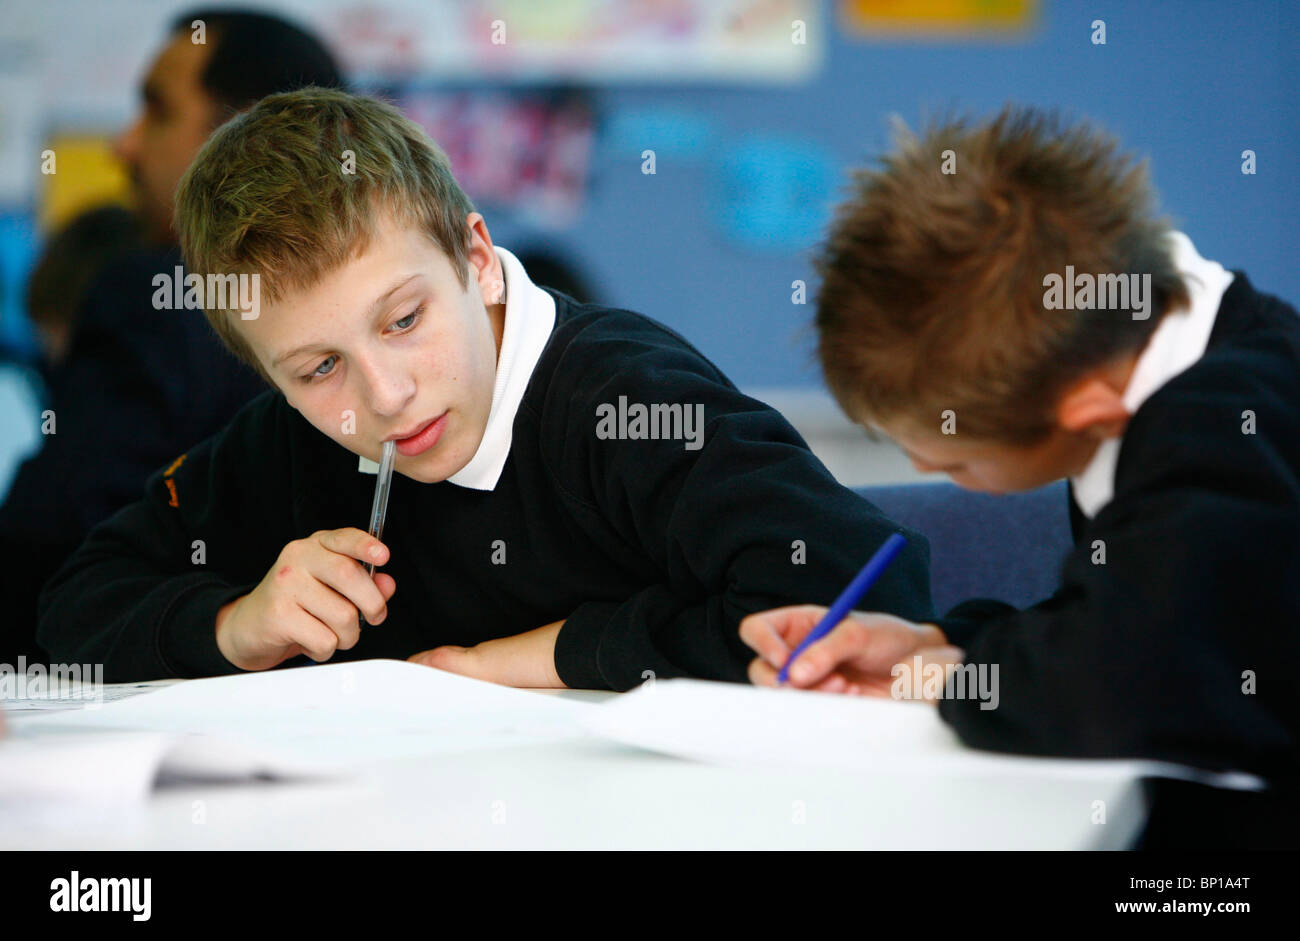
x=293, y=188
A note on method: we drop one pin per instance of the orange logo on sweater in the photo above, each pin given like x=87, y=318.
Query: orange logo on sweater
x=171, y=484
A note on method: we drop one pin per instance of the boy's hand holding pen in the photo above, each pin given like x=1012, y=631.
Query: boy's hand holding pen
x=846, y=651
x=315, y=597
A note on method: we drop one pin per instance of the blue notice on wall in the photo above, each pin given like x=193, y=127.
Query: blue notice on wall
x=775, y=194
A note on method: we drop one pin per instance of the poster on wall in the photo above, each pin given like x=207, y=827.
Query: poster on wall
x=85, y=64
x=525, y=152
x=589, y=41
x=947, y=18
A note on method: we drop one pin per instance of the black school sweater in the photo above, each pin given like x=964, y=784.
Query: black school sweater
x=1147, y=654
x=651, y=552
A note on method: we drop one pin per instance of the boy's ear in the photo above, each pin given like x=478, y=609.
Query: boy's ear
x=1093, y=407
x=485, y=266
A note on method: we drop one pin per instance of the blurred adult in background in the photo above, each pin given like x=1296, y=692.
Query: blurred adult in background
x=137, y=386
x=193, y=87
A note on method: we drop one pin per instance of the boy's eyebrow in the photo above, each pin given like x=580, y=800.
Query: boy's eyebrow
x=374, y=308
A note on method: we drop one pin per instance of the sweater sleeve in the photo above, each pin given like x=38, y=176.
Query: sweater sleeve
x=141, y=594
x=1174, y=631
x=740, y=518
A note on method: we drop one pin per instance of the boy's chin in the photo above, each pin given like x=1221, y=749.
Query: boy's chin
x=423, y=476
x=428, y=469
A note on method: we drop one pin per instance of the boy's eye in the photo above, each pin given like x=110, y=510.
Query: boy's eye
x=408, y=320
x=327, y=366
x=324, y=369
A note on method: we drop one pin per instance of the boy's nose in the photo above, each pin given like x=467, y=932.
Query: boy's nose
x=388, y=393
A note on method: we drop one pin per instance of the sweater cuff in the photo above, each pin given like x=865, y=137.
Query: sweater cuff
x=959, y=631
x=948, y=708
x=577, y=648
x=965, y=704
x=187, y=631
x=967, y=619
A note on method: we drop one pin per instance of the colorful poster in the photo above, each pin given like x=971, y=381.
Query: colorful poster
x=526, y=153
x=591, y=41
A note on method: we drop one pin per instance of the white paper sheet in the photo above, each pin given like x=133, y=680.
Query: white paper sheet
x=111, y=766
x=81, y=696
x=100, y=768
x=339, y=715
x=724, y=723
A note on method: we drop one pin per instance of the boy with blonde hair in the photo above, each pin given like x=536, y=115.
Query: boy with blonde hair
x=581, y=498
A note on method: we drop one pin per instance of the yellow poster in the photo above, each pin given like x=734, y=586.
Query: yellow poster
x=79, y=172
x=941, y=17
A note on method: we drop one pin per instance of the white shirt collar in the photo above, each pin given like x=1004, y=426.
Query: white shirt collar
x=530, y=317
x=1177, y=343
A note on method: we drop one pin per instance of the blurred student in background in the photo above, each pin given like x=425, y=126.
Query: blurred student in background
x=73, y=258
x=137, y=385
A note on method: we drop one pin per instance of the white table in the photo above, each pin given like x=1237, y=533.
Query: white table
x=588, y=794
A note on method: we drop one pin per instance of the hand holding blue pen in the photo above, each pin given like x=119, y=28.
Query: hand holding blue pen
x=848, y=598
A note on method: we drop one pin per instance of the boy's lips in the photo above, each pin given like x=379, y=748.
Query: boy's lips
x=423, y=438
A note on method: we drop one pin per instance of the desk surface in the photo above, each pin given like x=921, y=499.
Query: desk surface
x=590, y=794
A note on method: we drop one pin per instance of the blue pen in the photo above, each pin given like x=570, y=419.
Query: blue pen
x=849, y=597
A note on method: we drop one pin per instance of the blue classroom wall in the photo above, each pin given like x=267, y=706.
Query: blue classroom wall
x=1191, y=84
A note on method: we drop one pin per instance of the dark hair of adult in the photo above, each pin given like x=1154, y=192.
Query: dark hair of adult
x=257, y=54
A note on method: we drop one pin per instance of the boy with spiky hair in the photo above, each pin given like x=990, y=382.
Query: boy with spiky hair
x=537, y=540
x=1028, y=318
